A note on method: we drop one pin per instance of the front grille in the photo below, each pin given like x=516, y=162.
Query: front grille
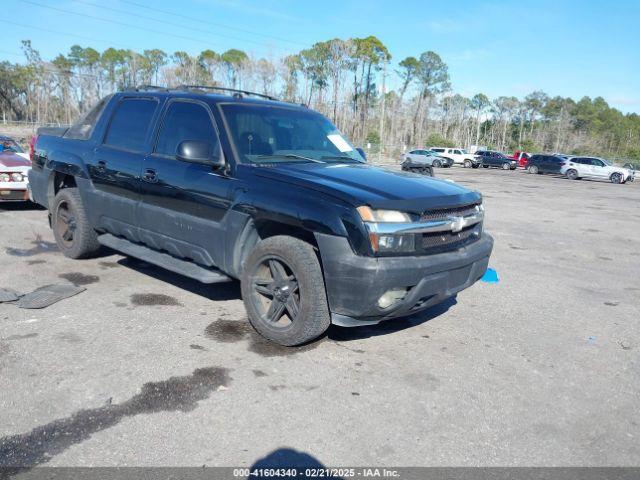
x=437, y=242
x=442, y=213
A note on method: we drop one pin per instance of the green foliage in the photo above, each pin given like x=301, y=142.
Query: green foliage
x=373, y=137
x=437, y=140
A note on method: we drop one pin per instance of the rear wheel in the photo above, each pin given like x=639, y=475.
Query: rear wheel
x=572, y=174
x=467, y=164
x=616, y=178
x=485, y=166
x=283, y=291
x=533, y=169
x=73, y=233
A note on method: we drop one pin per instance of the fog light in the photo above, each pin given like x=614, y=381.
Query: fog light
x=392, y=296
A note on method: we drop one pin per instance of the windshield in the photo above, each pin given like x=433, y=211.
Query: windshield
x=607, y=162
x=267, y=134
x=8, y=144
x=463, y=151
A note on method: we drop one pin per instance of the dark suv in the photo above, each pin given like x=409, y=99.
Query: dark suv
x=489, y=158
x=220, y=187
x=541, y=163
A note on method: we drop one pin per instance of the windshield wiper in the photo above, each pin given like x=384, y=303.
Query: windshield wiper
x=339, y=157
x=289, y=156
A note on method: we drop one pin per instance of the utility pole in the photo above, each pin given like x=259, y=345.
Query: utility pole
x=381, y=127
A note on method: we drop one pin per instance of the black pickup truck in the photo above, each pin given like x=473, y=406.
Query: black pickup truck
x=221, y=186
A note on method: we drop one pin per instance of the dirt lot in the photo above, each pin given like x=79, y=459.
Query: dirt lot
x=148, y=368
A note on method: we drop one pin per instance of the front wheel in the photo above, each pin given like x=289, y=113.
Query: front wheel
x=283, y=291
x=506, y=166
x=572, y=174
x=616, y=178
x=73, y=233
x=437, y=163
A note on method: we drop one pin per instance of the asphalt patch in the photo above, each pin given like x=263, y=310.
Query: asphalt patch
x=175, y=394
x=149, y=299
x=78, y=278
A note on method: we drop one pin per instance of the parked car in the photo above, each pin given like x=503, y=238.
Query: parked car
x=596, y=168
x=14, y=169
x=521, y=158
x=543, y=163
x=425, y=157
x=224, y=186
x=489, y=158
x=458, y=155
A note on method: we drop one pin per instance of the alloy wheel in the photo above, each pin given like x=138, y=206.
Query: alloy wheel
x=276, y=293
x=65, y=223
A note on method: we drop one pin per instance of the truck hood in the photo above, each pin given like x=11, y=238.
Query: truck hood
x=13, y=161
x=361, y=184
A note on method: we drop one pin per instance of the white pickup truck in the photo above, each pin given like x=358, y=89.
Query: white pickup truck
x=459, y=156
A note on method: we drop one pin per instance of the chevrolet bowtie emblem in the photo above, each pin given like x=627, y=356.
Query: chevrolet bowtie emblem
x=457, y=224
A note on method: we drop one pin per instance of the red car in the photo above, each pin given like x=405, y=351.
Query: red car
x=14, y=168
x=521, y=157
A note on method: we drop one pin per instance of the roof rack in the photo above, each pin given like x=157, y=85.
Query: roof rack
x=143, y=88
x=234, y=91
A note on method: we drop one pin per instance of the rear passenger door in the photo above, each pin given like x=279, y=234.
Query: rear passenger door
x=184, y=204
x=114, y=167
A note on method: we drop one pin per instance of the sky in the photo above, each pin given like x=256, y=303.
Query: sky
x=563, y=47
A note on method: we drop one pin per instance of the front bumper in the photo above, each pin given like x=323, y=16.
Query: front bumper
x=355, y=283
x=13, y=192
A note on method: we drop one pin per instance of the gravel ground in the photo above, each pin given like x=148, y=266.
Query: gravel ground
x=147, y=368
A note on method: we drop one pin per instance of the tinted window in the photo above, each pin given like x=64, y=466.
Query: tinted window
x=184, y=121
x=457, y=152
x=413, y=152
x=597, y=163
x=130, y=123
x=83, y=128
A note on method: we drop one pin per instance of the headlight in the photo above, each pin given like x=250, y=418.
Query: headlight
x=17, y=177
x=384, y=216
x=382, y=243
x=4, y=177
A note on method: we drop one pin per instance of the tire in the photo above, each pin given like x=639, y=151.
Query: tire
x=437, y=163
x=616, y=178
x=467, y=164
x=475, y=165
x=282, y=277
x=506, y=166
x=485, y=166
x=572, y=174
x=73, y=233
x=533, y=169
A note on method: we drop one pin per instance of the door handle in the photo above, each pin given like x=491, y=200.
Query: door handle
x=150, y=175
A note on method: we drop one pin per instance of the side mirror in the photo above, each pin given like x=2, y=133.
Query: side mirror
x=361, y=152
x=194, y=151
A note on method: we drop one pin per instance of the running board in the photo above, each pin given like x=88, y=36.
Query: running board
x=164, y=260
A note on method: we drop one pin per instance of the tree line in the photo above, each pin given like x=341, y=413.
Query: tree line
x=344, y=79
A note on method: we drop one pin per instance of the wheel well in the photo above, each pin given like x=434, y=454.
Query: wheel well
x=63, y=180
x=268, y=228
